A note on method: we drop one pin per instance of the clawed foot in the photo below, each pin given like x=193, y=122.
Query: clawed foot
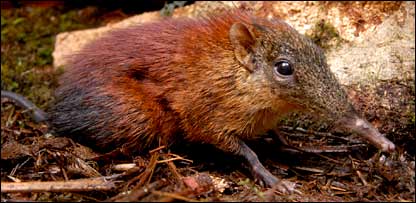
x=283, y=186
x=286, y=187
x=262, y=174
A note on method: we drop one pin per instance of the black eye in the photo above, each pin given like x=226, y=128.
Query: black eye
x=283, y=67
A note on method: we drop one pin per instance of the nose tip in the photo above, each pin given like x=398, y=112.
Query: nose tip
x=366, y=130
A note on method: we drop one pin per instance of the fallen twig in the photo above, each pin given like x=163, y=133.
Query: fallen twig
x=90, y=184
x=360, y=175
x=146, y=175
x=172, y=167
x=81, y=165
x=314, y=170
x=124, y=167
x=157, y=149
x=176, y=157
x=14, y=179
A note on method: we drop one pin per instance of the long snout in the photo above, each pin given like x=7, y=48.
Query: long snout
x=365, y=129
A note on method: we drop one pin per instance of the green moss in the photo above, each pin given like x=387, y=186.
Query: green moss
x=167, y=10
x=325, y=35
x=27, y=42
x=251, y=185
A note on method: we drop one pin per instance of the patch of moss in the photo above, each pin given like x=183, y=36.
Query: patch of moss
x=252, y=186
x=325, y=35
x=27, y=42
x=167, y=10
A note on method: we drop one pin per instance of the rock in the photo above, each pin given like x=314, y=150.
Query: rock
x=383, y=52
x=70, y=42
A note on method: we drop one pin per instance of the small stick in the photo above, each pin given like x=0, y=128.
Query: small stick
x=18, y=166
x=330, y=159
x=85, y=168
x=175, y=155
x=175, y=172
x=124, y=167
x=16, y=180
x=315, y=170
x=64, y=173
x=360, y=175
x=172, y=167
x=338, y=188
x=148, y=172
x=152, y=167
x=157, y=149
x=173, y=159
x=60, y=186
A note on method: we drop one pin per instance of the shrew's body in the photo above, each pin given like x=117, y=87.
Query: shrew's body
x=218, y=80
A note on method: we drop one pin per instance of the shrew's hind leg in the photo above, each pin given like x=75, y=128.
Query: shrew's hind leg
x=238, y=147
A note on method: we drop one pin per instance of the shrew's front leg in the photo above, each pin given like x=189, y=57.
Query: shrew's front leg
x=259, y=172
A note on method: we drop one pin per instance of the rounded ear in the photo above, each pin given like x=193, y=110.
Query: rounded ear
x=243, y=38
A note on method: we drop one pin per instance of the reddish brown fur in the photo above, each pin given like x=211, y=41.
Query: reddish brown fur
x=174, y=76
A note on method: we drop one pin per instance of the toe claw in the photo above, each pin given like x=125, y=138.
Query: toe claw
x=286, y=187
